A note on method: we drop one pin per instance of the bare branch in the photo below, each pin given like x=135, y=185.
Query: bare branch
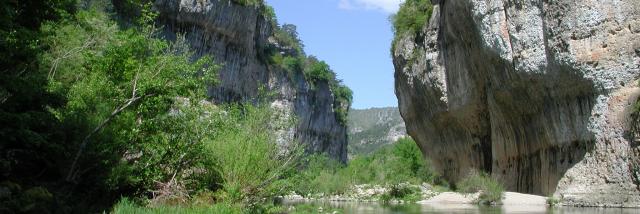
x=5, y=98
x=68, y=54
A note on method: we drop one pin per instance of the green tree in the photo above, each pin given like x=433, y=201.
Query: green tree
x=129, y=80
x=26, y=124
x=318, y=71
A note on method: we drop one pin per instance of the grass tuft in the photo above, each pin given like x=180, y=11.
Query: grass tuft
x=491, y=190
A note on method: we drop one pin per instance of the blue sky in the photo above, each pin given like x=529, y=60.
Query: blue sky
x=353, y=37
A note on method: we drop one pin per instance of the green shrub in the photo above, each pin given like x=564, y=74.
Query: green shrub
x=120, y=87
x=401, y=192
x=552, y=201
x=126, y=206
x=247, y=156
x=33, y=200
x=227, y=155
x=393, y=165
x=319, y=176
x=293, y=64
x=287, y=37
x=249, y=2
x=343, y=97
x=490, y=189
x=411, y=18
x=317, y=71
x=270, y=14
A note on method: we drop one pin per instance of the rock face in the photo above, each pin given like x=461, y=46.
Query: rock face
x=538, y=93
x=237, y=37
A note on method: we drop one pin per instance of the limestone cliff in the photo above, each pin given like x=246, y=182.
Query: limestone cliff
x=535, y=92
x=238, y=37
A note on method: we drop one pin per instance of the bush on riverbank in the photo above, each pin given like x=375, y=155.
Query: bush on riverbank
x=402, y=192
x=553, y=201
x=126, y=206
x=490, y=189
x=392, y=165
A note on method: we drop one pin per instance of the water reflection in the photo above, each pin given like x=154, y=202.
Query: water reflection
x=371, y=208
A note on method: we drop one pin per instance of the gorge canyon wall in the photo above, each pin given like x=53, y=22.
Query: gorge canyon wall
x=536, y=93
x=237, y=36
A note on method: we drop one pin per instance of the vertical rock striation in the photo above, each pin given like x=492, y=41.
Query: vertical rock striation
x=237, y=37
x=535, y=92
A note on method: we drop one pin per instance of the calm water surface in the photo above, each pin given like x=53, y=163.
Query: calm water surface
x=366, y=208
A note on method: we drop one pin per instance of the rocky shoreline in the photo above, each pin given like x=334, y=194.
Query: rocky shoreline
x=365, y=193
x=428, y=195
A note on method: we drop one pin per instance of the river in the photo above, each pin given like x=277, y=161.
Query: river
x=377, y=208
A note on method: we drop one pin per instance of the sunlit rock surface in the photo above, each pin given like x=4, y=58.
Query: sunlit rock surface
x=535, y=92
x=237, y=37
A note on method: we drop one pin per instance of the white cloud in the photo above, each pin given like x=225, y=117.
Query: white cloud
x=387, y=6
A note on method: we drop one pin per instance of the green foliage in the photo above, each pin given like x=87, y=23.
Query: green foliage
x=31, y=137
x=553, y=201
x=266, y=10
x=130, y=11
x=398, y=163
x=119, y=90
x=409, y=153
x=109, y=127
x=247, y=155
x=249, y=2
x=228, y=157
x=287, y=37
x=270, y=14
x=109, y=110
x=126, y=206
x=401, y=192
x=289, y=55
x=33, y=200
x=411, y=17
x=321, y=175
x=293, y=63
x=490, y=189
x=317, y=71
x=343, y=97
x=26, y=125
x=163, y=137
x=170, y=149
